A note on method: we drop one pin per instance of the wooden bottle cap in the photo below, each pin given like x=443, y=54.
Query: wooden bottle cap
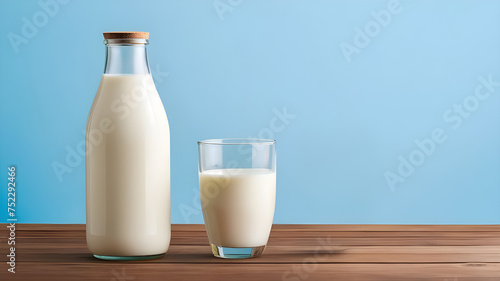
x=126, y=35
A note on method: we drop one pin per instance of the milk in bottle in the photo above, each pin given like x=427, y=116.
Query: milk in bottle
x=127, y=157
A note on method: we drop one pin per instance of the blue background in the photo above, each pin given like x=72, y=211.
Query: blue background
x=226, y=75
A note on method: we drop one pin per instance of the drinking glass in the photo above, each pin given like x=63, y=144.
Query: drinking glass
x=238, y=194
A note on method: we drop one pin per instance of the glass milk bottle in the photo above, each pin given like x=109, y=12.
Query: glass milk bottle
x=127, y=148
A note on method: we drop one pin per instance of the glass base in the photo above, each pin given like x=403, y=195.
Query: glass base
x=237, y=253
x=131, y=258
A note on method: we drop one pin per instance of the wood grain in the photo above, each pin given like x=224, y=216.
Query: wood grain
x=294, y=252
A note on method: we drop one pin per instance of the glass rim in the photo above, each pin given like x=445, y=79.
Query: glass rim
x=238, y=141
x=125, y=41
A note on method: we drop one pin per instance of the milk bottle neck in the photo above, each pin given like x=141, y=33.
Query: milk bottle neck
x=126, y=56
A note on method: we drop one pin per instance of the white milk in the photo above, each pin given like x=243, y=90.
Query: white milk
x=128, y=169
x=238, y=206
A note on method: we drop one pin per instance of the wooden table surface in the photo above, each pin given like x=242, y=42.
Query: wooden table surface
x=295, y=252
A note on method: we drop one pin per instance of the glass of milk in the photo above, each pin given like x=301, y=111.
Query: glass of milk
x=238, y=194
